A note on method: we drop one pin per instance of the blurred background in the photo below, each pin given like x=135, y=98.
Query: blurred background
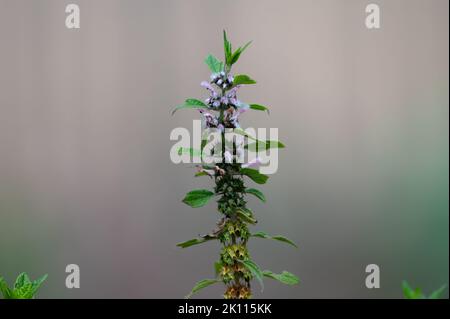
x=85, y=173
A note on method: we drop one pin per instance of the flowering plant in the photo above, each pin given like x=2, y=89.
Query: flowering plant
x=220, y=112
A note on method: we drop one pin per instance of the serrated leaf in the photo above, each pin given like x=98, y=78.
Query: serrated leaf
x=285, y=277
x=193, y=242
x=200, y=285
x=198, y=197
x=255, y=270
x=254, y=175
x=283, y=239
x=190, y=104
x=259, y=107
x=243, y=79
x=256, y=193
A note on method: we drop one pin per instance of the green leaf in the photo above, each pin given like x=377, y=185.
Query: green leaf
x=193, y=242
x=198, y=197
x=217, y=267
x=201, y=174
x=214, y=64
x=235, y=56
x=263, y=145
x=24, y=292
x=6, y=291
x=410, y=293
x=258, y=145
x=200, y=285
x=227, y=49
x=246, y=215
x=285, y=277
x=38, y=282
x=255, y=175
x=21, y=280
x=256, y=193
x=255, y=270
x=259, y=107
x=261, y=234
x=437, y=293
x=243, y=79
x=23, y=287
x=190, y=104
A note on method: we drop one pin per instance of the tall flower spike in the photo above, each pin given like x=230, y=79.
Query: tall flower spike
x=235, y=267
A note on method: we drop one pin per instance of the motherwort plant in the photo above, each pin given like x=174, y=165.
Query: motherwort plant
x=220, y=113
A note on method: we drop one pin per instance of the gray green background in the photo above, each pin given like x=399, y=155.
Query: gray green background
x=85, y=174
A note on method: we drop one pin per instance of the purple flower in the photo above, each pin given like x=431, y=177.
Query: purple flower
x=209, y=120
x=209, y=87
x=224, y=100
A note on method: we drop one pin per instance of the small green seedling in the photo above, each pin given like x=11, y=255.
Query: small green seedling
x=410, y=293
x=23, y=288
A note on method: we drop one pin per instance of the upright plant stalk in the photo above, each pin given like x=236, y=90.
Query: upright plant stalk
x=234, y=268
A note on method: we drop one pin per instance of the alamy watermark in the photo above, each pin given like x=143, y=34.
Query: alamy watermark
x=252, y=148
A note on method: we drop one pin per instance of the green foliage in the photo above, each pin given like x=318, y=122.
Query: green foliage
x=243, y=79
x=246, y=215
x=258, y=145
x=254, y=175
x=285, y=277
x=23, y=288
x=255, y=270
x=200, y=285
x=410, y=293
x=263, y=145
x=235, y=56
x=256, y=193
x=193, y=242
x=259, y=107
x=214, y=64
x=227, y=49
x=198, y=197
x=437, y=293
x=234, y=268
x=261, y=234
x=190, y=104
x=230, y=56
